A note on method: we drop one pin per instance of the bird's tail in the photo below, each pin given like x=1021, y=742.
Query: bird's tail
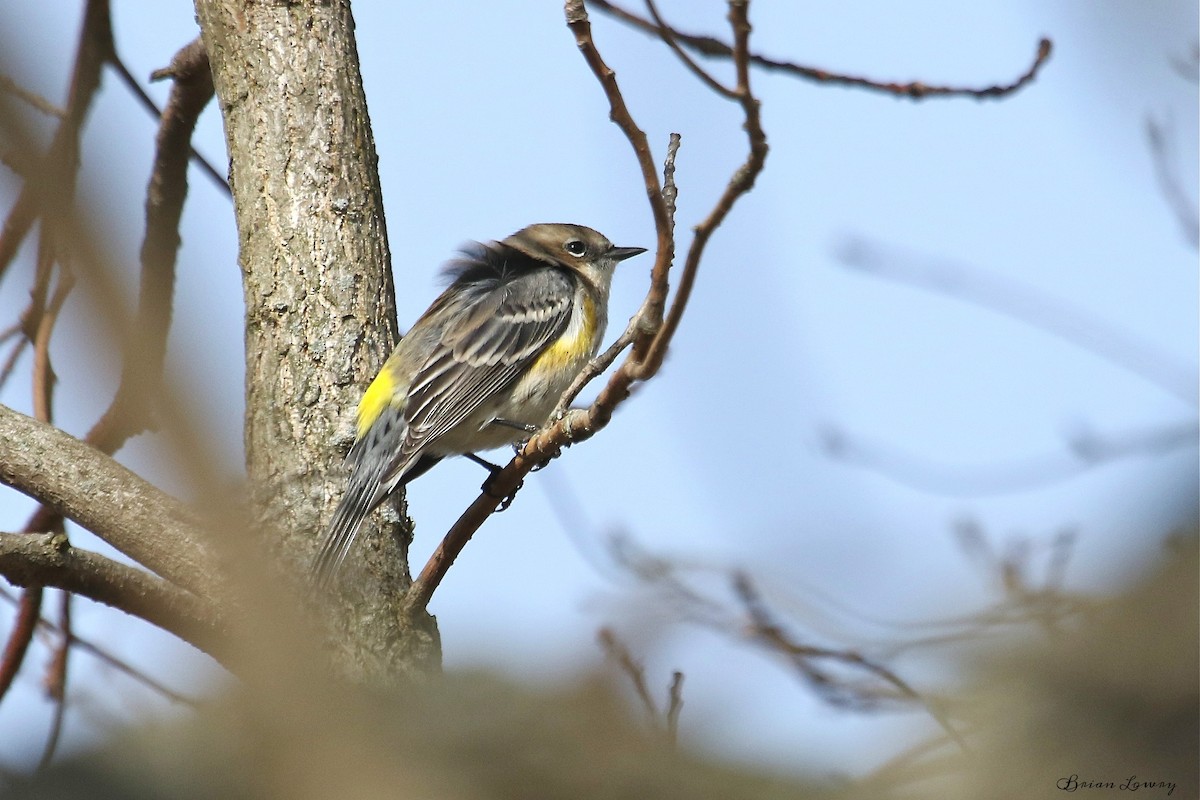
x=360, y=500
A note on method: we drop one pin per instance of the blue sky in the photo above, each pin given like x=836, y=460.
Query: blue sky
x=486, y=119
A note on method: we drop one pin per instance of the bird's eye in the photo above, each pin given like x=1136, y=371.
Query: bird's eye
x=575, y=247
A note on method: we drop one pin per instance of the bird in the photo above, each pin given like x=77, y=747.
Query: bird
x=482, y=368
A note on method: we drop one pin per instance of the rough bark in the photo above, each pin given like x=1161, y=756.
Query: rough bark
x=320, y=305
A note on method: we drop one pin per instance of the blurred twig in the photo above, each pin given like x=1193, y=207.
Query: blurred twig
x=34, y=99
x=56, y=679
x=1166, y=169
x=668, y=719
x=1056, y=317
x=105, y=657
x=1085, y=451
x=62, y=159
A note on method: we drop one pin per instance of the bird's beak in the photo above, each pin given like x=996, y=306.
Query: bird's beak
x=622, y=253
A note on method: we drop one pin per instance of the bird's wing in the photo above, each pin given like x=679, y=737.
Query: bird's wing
x=483, y=351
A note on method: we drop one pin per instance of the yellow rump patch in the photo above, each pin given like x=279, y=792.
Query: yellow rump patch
x=377, y=397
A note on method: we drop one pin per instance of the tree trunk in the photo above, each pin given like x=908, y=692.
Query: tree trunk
x=320, y=304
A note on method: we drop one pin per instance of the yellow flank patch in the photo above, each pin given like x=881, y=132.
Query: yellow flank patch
x=575, y=343
x=377, y=397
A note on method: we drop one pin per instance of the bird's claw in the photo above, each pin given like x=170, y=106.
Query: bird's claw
x=506, y=500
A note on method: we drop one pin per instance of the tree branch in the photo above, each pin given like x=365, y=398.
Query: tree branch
x=28, y=559
x=141, y=373
x=650, y=333
x=915, y=90
x=94, y=48
x=88, y=487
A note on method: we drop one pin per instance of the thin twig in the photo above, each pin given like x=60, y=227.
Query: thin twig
x=152, y=108
x=56, y=680
x=674, y=707
x=1166, y=169
x=43, y=372
x=620, y=654
x=742, y=182
x=764, y=628
x=915, y=90
x=667, y=33
x=19, y=342
x=1083, y=453
x=107, y=658
x=141, y=374
x=34, y=99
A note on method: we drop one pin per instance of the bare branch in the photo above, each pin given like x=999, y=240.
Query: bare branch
x=602, y=362
x=619, y=653
x=95, y=491
x=94, y=49
x=668, y=36
x=616, y=650
x=803, y=657
x=742, y=182
x=650, y=314
x=650, y=333
x=49, y=560
x=915, y=90
x=29, y=609
x=141, y=374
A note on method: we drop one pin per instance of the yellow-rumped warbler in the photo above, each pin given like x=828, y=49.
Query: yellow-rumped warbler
x=482, y=368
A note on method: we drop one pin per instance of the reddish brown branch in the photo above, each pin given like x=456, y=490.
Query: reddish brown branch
x=43, y=386
x=667, y=33
x=741, y=183
x=29, y=609
x=649, y=334
x=915, y=90
x=650, y=314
